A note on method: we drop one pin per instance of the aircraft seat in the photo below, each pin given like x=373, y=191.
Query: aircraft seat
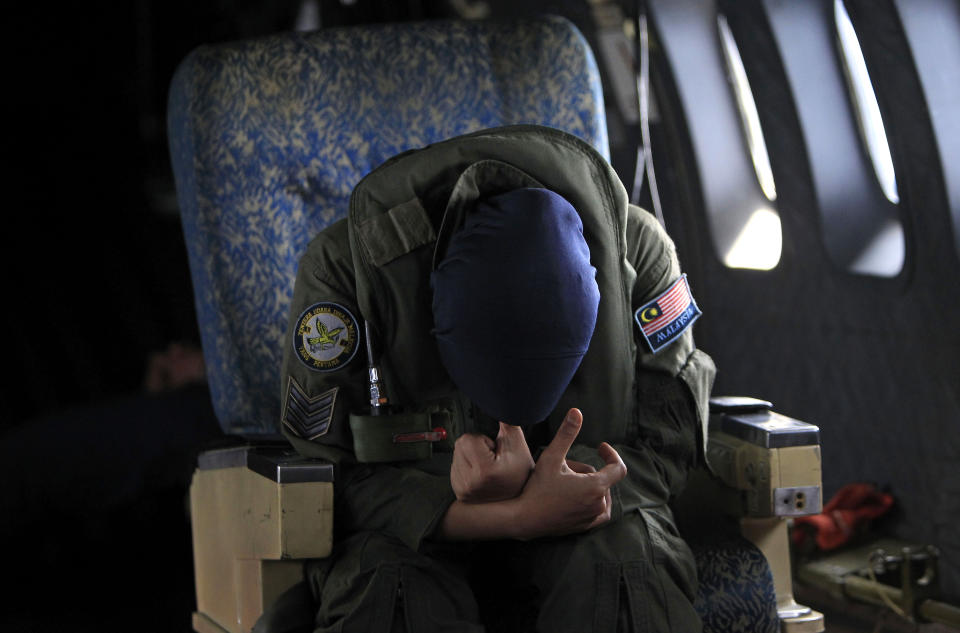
x=268, y=138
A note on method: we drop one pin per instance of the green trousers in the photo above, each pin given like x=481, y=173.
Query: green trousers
x=633, y=575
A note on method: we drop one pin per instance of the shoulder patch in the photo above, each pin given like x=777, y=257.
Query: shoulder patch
x=664, y=319
x=307, y=417
x=326, y=337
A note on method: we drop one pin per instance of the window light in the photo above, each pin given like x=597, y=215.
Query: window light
x=748, y=110
x=884, y=254
x=865, y=103
x=759, y=244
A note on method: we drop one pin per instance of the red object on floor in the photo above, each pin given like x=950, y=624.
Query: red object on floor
x=849, y=510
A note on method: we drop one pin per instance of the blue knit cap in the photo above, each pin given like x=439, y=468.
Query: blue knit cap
x=515, y=303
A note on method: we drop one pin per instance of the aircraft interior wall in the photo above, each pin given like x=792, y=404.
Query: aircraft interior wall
x=870, y=358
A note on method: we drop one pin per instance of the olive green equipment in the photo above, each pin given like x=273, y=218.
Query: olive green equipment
x=901, y=576
x=385, y=436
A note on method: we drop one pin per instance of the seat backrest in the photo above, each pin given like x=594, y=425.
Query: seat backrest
x=269, y=136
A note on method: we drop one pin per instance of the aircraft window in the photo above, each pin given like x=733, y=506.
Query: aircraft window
x=759, y=243
x=860, y=223
x=748, y=110
x=883, y=254
x=865, y=103
x=932, y=28
x=691, y=51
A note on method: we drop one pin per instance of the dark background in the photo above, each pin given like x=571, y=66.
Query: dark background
x=99, y=268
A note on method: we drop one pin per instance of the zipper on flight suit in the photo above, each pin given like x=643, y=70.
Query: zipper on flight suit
x=400, y=610
x=624, y=607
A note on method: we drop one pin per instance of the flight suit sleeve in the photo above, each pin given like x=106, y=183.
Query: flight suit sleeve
x=323, y=379
x=672, y=384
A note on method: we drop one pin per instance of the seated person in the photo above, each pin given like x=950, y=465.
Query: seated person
x=532, y=397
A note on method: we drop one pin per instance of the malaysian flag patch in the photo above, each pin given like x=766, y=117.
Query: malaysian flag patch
x=665, y=318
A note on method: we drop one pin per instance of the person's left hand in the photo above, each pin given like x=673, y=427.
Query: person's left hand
x=484, y=470
x=563, y=496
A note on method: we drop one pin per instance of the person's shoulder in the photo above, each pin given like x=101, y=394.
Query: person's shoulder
x=328, y=253
x=333, y=238
x=647, y=240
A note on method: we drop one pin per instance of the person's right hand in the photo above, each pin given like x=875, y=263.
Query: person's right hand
x=485, y=470
x=558, y=499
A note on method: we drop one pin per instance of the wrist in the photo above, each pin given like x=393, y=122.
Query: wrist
x=482, y=521
x=516, y=519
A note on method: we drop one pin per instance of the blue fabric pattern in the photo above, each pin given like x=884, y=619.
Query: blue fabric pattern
x=735, y=592
x=268, y=137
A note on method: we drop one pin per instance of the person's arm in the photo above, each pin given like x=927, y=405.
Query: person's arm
x=673, y=383
x=556, y=500
x=486, y=470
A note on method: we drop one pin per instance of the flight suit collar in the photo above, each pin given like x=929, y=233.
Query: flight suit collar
x=480, y=180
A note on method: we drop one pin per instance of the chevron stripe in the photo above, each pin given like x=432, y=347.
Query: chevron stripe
x=307, y=417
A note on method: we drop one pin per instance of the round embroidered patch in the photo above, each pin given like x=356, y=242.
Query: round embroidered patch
x=326, y=336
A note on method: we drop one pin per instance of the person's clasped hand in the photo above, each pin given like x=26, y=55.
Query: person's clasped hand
x=552, y=496
x=485, y=470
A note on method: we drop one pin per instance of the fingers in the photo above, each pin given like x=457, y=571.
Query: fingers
x=474, y=449
x=556, y=452
x=615, y=470
x=603, y=516
x=474, y=442
x=580, y=467
x=508, y=438
x=609, y=454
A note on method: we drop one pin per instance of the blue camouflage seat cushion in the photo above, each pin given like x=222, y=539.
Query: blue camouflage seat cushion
x=268, y=138
x=735, y=592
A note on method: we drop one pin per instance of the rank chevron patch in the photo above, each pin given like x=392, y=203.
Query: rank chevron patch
x=307, y=417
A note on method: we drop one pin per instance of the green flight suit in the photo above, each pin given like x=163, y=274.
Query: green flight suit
x=375, y=267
